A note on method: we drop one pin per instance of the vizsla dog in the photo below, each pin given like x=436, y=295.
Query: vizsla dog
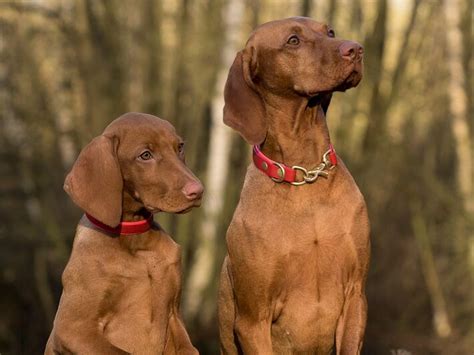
x=122, y=283
x=298, y=244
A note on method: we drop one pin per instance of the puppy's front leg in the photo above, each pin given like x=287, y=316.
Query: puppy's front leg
x=80, y=343
x=177, y=341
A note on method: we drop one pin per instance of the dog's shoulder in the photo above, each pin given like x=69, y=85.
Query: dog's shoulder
x=166, y=246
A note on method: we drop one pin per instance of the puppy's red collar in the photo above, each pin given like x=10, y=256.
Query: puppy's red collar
x=124, y=228
x=279, y=172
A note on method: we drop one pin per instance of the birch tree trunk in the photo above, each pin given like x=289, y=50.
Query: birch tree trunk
x=458, y=103
x=217, y=169
x=458, y=108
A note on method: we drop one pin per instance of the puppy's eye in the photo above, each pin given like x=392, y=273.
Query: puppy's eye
x=146, y=155
x=331, y=33
x=293, y=40
x=181, y=147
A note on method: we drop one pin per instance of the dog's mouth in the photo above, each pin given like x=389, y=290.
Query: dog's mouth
x=186, y=210
x=179, y=210
x=351, y=81
x=153, y=209
x=196, y=203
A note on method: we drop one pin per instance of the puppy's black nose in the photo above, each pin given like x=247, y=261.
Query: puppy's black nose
x=193, y=190
x=351, y=51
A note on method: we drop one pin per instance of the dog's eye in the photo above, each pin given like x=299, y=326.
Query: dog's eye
x=181, y=147
x=146, y=155
x=331, y=33
x=293, y=40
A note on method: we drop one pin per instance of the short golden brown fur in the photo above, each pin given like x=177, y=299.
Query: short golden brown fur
x=294, y=277
x=121, y=293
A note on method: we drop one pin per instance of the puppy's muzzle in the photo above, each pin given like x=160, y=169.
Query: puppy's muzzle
x=193, y=190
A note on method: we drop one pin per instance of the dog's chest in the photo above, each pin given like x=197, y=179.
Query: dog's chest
x=305, y=222
x=306, y=255
x=300, y=224
x=144, y=298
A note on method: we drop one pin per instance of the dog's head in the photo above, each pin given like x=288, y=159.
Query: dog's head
x=290, y=58
x=138, y=154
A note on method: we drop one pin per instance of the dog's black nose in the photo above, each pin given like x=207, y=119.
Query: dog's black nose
x=351, y=51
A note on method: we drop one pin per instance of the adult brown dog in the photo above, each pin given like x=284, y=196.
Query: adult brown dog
x=121, y=291
x=293, y=280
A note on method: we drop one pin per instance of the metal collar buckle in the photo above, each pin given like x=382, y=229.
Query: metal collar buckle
x=279, y=172
x=310, y=176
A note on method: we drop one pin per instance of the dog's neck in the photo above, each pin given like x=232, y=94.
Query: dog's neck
x=297, y=132
x=132, y=209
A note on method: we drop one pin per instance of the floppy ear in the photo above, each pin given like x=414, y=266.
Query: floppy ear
x=95, y=182
x=243, y=109
x=325, y=101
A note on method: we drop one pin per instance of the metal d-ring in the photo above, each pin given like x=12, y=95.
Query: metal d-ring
x=305, y=173
x=281, y=172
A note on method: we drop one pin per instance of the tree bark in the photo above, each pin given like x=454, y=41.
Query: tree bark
x=153, y=81
x=441, y=322
x=458, y=103
x=216, y=175
x=332, y=12
x=306, y=7
x=375, y=46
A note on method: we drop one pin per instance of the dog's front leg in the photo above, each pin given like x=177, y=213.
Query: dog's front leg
x=253, y=316
x=80, y=343
x=351, y=324
x=254, y=335
x=178, y=341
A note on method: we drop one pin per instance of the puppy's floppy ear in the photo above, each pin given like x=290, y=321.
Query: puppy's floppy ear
x=325, y=101
x=243, y=109
x=95, y=182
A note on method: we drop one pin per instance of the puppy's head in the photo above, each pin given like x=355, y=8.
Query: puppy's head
x=290, y=58
x=138, y=154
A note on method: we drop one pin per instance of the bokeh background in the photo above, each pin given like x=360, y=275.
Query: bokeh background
x=69, y=67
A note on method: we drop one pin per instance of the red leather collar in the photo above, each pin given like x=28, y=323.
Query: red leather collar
x=124, y=228
x=280, y=172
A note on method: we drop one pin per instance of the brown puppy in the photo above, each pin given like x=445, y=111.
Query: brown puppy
x=294, y=278
x=121, y=292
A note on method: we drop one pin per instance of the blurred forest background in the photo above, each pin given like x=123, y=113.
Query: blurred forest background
x=69, y=67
